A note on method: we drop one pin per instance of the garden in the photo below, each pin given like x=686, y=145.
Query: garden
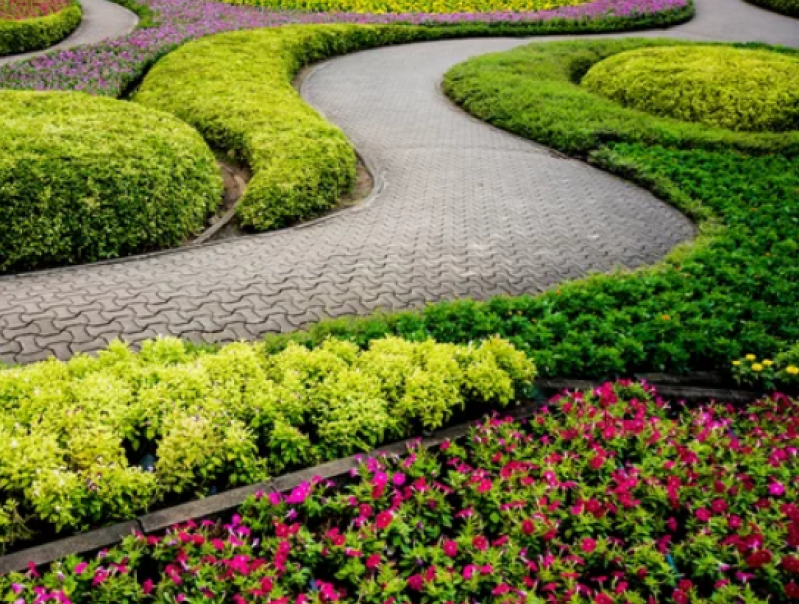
x=608, y=495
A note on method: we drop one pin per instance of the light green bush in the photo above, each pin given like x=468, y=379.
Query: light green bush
x=42, y=32
x=85, y=178
x=721, y=86
x=100, y=439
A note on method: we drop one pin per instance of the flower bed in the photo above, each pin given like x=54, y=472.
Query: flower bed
x=32, y=25
x=110, y=68
x=606, y=497
x=93, y=441
x=85, y=178
x=411, y=6
x=786, y=7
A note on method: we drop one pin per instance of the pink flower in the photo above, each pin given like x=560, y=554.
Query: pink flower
x=450, y=548
x=603, y=599
x=383, y=520
x=275, y=498
x=147, y=586
x=776, y=489
x=373, y=561
x=480, y=543
x=588, y=545
x=680, y=597
x=398, y=479
x=416, y=582
x=79, y=568
x=719, y=506
x=703, y=515
x=469, y=571
x=528, y=527
x=485, y=486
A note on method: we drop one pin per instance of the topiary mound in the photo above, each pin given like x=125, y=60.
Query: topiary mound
x=411, y=6
x=721, y=86
x=85, y=178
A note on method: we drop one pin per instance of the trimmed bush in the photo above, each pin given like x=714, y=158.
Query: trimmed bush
x=101, y=439
x=786, y=7
x=85, y=178
x=411, y=6
x=40, y=32
x=725, y=87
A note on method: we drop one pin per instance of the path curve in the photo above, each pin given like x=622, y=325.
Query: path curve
x=101, y=20
x=465, y=210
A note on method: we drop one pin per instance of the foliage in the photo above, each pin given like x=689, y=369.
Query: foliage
x=412, y=6
x=101, y=439
x=37, y=32
x=739, y=89
x=783, y=370
x=786, y=7
x=604, y=497
x=84, y=178
x=18, y=10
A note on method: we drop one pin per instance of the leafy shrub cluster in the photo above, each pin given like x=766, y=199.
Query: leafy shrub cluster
x=786, y=7
x=782, y=371
x=606, y=497
x=101, y=439
x=18, y=36
x=735, y=88
x=85, y=178
x=412, y=6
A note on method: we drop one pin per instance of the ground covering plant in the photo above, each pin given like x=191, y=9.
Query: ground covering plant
x=100, y=439
x=786, y=7
x=32, y=25
x=783, y=369
x=85, y=178
x=603, y=497
x=735, y=88
x=110, y=68
x=411, y=6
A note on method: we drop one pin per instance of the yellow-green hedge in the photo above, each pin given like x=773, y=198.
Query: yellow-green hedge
x=42, y=32
x=721, y=86
x=74, y=435
x=84, y=178
x=411, y=6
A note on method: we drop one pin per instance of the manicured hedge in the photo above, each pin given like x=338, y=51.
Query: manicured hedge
x=720, y=86
x=411, y=6
x=101, y=439
x=786, y=7
x=85, y=178
x=236, y=90
x=38, y=33
x=610, y=496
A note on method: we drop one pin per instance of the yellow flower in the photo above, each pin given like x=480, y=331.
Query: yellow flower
x=750, y=357
x=768, y=362
x=736, y=363
x=757, y=367
x=792, y=370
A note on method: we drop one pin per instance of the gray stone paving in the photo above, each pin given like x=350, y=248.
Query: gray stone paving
x=464, y=210
x=101, y=20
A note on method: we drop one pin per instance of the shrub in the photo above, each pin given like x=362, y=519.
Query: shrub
x=411, y=6
x=85, y=178
x=786, y=7
x=26, y=35
x=605, y=496
x=100, y=439
x=739, y=89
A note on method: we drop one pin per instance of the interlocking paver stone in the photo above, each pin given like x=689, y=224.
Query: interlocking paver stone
x=465, y=209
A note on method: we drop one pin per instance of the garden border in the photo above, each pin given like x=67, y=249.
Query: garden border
x=39, y=33
x=221, y=503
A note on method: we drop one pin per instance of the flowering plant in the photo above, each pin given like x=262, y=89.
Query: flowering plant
x=766, y=373
x=608, y=496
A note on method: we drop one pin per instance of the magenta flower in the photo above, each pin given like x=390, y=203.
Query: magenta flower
x=450, y=548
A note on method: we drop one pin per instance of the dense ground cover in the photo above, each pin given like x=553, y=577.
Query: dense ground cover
x=95, y=440
x=786, y=7
x=27, y=25
x=85, y=178
x=411, y=6
x=735, y=88
x=607, y=496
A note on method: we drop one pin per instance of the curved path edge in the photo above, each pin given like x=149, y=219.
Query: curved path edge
x=101, y=20
x=465, y=210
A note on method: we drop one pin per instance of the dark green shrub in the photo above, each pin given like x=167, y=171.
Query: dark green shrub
x=85, y=178
x=739, y=89
x=786, y=7
x=42, y=32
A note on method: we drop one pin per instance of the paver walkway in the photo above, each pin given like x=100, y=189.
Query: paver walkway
x=101, y=20
x=463, y=210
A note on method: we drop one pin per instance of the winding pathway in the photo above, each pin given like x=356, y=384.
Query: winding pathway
x=461, y=209
x=101, y=20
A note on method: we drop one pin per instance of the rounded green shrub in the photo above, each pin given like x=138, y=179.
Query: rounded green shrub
x=85, y=178
x=38, y=33
x=720, y=86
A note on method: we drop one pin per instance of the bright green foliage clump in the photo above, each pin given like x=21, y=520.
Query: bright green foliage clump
x=411, y=6
x=41, y=32
x=72, y=435
x=739, y=89
x=85, y=178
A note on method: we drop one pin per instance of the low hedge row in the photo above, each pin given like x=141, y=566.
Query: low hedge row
x=85, y=178
x=236, y=90
x=610, y=496
x=411, y=6
x=40, y=32
x=786, y=7
x=720, y=86
x=101, y=439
